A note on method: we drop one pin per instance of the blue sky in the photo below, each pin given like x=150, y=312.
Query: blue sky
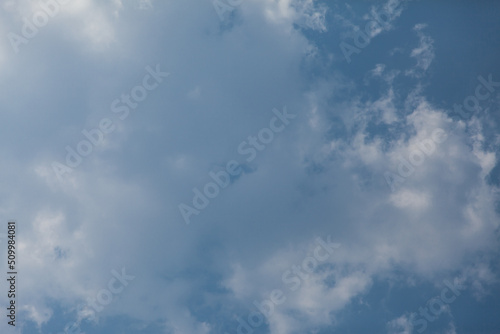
x=251, y=166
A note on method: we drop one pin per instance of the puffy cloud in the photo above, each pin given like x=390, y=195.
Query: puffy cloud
x=323, y=174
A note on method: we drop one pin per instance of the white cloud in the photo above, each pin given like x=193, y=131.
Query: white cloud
x=424, y=53
x=322, y=174
x=401, y=325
